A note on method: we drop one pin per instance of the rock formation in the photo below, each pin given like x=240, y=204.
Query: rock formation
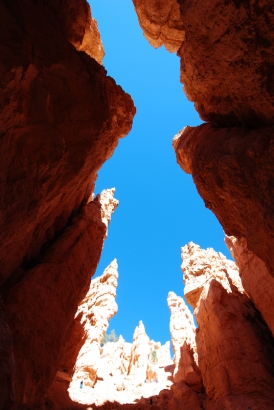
x=235, y=347
x=227, y=71
x=93, y=373
x=93, y=315
x=61, y=119
x=125, y=372
x=182, y=331
x=59, y=278
x=161, y=22
x=257, y=281
x=232, y=169
x=226, y=51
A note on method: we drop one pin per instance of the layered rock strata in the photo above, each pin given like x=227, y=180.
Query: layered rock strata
x=234, y=345
x=61, y=118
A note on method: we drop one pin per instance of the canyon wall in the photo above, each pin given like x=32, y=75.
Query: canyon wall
x=226, y=55
x=227, y=62
x=257, y=281
x=234, y=345
x=61, y=119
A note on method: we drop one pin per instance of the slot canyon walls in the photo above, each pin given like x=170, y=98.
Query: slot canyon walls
x=61, y=119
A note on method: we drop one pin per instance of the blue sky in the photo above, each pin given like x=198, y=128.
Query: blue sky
x=160, y=209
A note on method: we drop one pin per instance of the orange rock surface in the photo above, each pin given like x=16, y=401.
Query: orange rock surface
x=235, y=348
x=41, y=307
x=232, y=169
x=61, y=119
x=226, y=50
x=257, y=281
x=161, y=22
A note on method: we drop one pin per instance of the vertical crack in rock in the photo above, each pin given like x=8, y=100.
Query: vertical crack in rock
x=186, y=375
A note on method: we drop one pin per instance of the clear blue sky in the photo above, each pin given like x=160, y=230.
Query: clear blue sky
x=160, y=210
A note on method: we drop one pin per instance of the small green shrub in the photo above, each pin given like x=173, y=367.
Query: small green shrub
x=112, y=337
x=154, y=357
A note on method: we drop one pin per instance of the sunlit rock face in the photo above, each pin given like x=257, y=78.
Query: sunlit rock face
x=183, y=333
x=129, y=371
x=188, y=386
x=61, y=119
x=235, y=347
x=111, y=372
x=92, y=316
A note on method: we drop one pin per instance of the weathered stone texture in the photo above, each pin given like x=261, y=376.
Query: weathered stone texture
x=257, y=281
x=161, y=22
x=93, y=313
x=234, y=345
x=232, y=169
x=61, y=118
x=41, y=307
x=226, y=50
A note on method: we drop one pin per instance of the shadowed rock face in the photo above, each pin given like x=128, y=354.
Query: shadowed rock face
x=61, y=119
x=227, y=60
x=226, y=50
x=41, y=307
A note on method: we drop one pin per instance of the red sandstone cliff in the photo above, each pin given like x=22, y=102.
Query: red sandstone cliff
x=227, y=64
x=61, y=119
x=227, y=70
